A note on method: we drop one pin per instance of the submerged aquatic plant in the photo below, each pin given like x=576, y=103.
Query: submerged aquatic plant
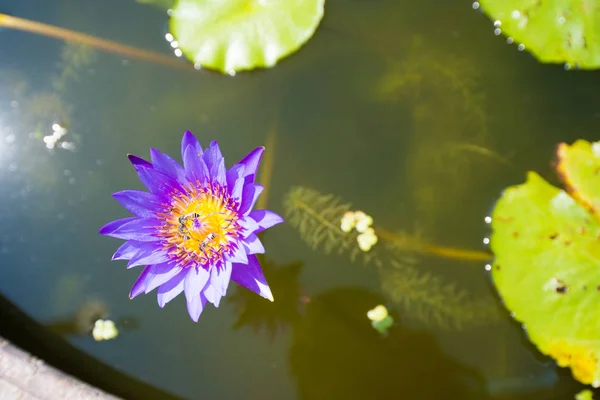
x=323, y=222
x=317, y=217
x=196, y=230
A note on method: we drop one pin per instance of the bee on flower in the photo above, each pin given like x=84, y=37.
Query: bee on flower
x=195, y=230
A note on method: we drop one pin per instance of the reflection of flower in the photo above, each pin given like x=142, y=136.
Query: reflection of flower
x=272, y=317
x=195, y=229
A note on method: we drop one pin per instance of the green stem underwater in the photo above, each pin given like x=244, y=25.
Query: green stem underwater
x=440, y=251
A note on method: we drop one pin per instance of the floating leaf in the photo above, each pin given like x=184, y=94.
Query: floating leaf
x=381, y=320
x=579, y=166
x=240, y=35
x=547, y=272
x=561, y=31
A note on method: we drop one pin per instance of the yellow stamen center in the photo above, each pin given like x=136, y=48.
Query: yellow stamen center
x=200, y=225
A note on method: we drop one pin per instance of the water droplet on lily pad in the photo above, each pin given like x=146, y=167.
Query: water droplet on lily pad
x=238, y=35
x=560, y=31
x=547, y=241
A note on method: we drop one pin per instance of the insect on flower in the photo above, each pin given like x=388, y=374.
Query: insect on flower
x=195, y=230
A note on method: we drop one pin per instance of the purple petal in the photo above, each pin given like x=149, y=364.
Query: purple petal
x=212, y=295
x=195, y=306
x=251, y=162
x=220, y=277
x=160, y=274
x=196, y=169
x=171, y=289
x=237, y=191
x=217, y=172
x=157, y=182
x=249, y=225
x=149, y=253
x=234, y=174
x=253, y=245
x=249, y=196
x=142, y=204
x=127, y=250
x=132, y=228
x=194, y=283
x=135, y=160
x=265, y=219
x=165, y=164
x=251, y=277
x=140, y=284
x=189, y=140
x=212, y=155
x=239, y=255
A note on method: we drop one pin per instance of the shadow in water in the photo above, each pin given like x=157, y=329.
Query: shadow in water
x=254, y=312
x=336, y=353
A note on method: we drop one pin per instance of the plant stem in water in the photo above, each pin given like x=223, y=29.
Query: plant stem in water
x=440, y=251
x=67, y=35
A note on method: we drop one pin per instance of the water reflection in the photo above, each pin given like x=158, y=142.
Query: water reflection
x=332, y=136
x=90, y=317
x=252, y=311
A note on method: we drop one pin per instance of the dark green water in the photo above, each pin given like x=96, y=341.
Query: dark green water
x=400, y=157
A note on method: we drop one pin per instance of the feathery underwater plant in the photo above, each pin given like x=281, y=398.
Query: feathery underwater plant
x=423, y=296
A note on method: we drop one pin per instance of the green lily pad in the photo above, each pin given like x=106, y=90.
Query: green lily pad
x=547, y=271
x=237, y=35
x=579, y=166
x=558, y=31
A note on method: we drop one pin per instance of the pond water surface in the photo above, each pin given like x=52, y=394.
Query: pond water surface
x=414, y=112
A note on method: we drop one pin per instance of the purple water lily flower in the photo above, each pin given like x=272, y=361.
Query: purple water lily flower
x=195, y=230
